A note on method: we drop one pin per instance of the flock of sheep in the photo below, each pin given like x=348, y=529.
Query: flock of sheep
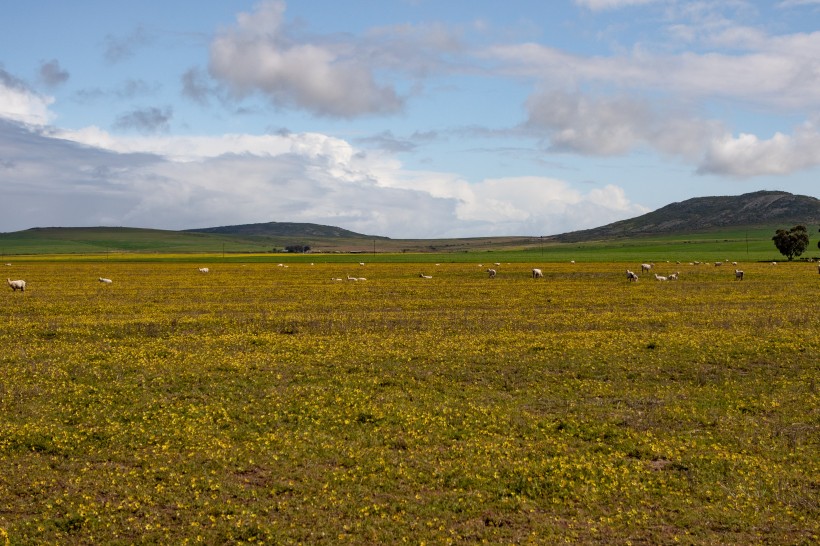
x=633, y=277
x=536, y=273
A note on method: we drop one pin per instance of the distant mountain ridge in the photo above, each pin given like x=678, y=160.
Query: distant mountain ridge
x=705, y=213
x=285, y=229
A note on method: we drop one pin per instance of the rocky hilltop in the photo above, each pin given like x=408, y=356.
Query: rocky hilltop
x=706, y=213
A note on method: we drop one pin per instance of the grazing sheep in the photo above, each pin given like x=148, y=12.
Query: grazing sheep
x=537, y=274
x=497, y=264
x=631, y=276
x=17, y=285
x=361, y=263
x=104, y=280
x=352, y=278
x=572, y=261
x=204, y=270
x=718, y=264
x=336, y=279
x=734, y=263
x=423, y=276
x=492, y=273
x=674, y=276
x=660, y=278
x=738, y=275
x=645, y=267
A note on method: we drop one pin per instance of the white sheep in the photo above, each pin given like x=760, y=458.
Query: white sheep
x=631, y=276
x=352, y=278
x=660, y=278
x=645, y=267
x=423, y=276
x=491, y=273
x=738, y=275
x=718, y=264
x=104, y=280
x=17, y=285
x=537, y=274
x=674, y=276
x=204, y=270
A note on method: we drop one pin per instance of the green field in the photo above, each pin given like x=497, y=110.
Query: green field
x=270, y=404
x=111, y=244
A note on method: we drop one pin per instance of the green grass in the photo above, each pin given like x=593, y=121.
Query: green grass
x=752, y=244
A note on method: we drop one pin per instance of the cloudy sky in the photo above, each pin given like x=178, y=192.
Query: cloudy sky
x=404, y=118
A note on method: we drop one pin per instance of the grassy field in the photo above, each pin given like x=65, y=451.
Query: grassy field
x=270, y=404
x=91, y=244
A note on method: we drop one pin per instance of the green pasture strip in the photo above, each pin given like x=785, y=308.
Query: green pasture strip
x=259, y=404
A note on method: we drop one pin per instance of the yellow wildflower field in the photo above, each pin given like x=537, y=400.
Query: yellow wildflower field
x=260, y=403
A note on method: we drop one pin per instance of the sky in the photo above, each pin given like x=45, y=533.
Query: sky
x=400, y=118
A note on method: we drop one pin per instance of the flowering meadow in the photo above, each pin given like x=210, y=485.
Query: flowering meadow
x=268, y=404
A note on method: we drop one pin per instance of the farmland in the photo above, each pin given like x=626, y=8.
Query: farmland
x=260, y=403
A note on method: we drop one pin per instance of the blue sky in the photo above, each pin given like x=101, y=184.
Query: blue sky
x=404, y=118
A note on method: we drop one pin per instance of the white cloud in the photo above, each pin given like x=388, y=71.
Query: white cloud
x=256, y=55
x=747, y=155
x=19, y=103
x=94, y=178
x=600, y=5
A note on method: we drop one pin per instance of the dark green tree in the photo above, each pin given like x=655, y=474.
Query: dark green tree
x=792, y=242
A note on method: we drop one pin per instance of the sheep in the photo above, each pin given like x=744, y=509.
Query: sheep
x=660, y=278
x=336, y=279
x=352, y=278
x=572, y=261
x=645, y=267
x=423, y=276
x=718, y=264
x=204, y=270
x=537, y=274
x=491, y=273
x=361, y=263
x=104, y=280
x=497, y=264
x=631, y=276
x=17, y=285
x=738, y=275
x=674, y=276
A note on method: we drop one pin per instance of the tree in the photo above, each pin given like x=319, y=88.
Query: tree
x=791, y=242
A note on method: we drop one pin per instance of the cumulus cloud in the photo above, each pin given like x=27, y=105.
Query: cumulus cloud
x=617, y=125
x=257, y=55
x=20, y=103
x=747, y=155
x=96, y=178
x=146, y=120
x=52, y=74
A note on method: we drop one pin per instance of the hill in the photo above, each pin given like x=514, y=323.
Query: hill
x=285, y=229
x=701, y=214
